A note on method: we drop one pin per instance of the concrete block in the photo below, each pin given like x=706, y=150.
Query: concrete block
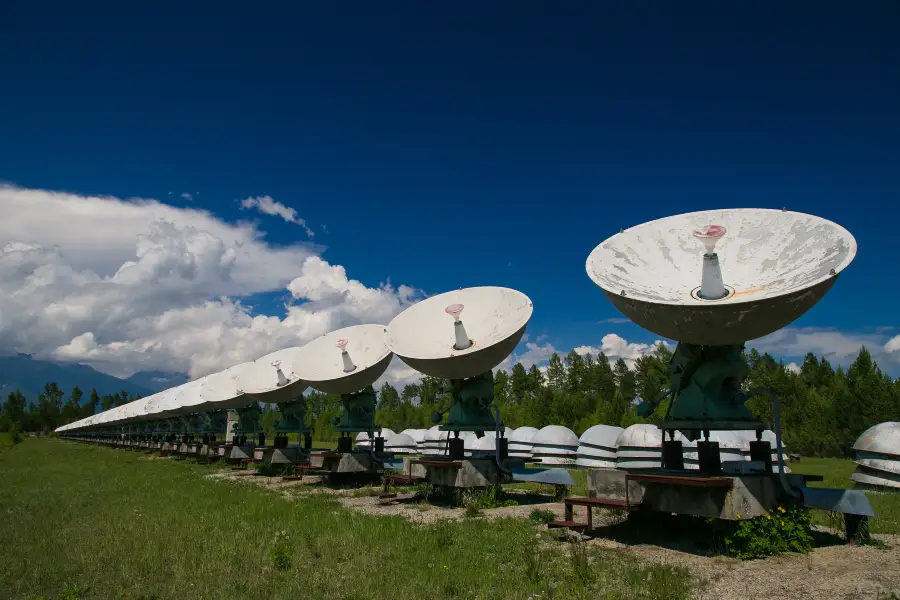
x=242, y=452
x=292, y=455
x=349, y=462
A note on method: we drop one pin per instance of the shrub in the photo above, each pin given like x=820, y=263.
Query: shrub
x=281, y=551
x=15, y=433
x=542, y=515
x=491, y=497
x=784, y=530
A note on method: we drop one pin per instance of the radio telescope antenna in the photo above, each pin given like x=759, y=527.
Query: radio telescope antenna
x=347, y=362
x=464, y=350
x=487, y=325
x=425, y=339
x=760, y=271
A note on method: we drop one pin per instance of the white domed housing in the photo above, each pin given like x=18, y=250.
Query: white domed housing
x=435, y=443
x=731, y=445
x=485, y=446
x=400, y=443
x=775, y=266
x=597, y=447
x=555, y=445
x=640, y=447
x=877, y=456
x=323, y=362
x=418, y=435
x=521, y=442
x=493, y=320
x=362, y=441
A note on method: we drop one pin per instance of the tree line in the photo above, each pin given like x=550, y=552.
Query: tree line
x=824, y=409
x=53, y=409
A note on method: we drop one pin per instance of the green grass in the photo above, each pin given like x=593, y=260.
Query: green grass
x=837, y=472
x=83, y=522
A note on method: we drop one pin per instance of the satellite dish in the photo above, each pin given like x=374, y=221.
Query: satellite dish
x=220, y=390
x=721, y=277
x=187, y=397
x=460, y=334
x=344, y=361
x=164, y=402
x=272, y=378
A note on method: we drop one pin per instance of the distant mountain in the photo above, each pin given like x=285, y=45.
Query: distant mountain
x=29, y=375
x=158, y=380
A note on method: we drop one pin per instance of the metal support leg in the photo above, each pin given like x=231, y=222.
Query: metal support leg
x=857, y=528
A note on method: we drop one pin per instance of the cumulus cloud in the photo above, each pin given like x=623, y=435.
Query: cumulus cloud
x=268, y=206
x=893, y=344
x=839, y=347
x=98, y=233
x=612, y=345
x=616, y=347
x=165, y=294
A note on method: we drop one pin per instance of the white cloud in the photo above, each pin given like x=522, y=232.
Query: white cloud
x=98, y=233
x=612, y=345
x=792, y=367
x=615, y=347
x=164, y=292
x=187, y=196
x=840, y=348
x=893, y=344
x=268, y=206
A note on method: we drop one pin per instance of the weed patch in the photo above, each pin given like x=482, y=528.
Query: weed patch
x=541, y=516
x=785, y=530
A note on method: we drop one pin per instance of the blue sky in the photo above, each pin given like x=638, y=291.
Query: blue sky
x=487, y=144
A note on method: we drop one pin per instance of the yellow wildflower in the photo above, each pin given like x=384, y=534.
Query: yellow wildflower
x=769, y=518
x=739, y=516
x=782, y=523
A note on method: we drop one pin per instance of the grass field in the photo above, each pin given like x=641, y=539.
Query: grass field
x=87, y=522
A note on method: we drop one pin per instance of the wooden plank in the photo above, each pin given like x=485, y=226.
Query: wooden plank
x=567, y=524
x=598, y=502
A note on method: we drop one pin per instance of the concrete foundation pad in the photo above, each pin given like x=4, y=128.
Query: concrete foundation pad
x=242, y=452
x=730, y=497
x=348, y=462
x=292, y=455
x=466, y=473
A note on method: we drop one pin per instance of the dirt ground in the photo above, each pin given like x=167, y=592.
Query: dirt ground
x=833, y=571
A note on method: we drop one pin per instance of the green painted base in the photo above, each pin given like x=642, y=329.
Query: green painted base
x=711, y=425
x=472, y=400
x=706, y=389
x=456, y=427
x=352, y=429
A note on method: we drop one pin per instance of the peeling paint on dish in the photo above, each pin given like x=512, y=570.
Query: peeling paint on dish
x=765, y=253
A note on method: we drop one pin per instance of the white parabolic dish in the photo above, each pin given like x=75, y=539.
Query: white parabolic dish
x=321, y=362
x=494, y=319
x=260, y=379
x=221, y=390
x=775, y=265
